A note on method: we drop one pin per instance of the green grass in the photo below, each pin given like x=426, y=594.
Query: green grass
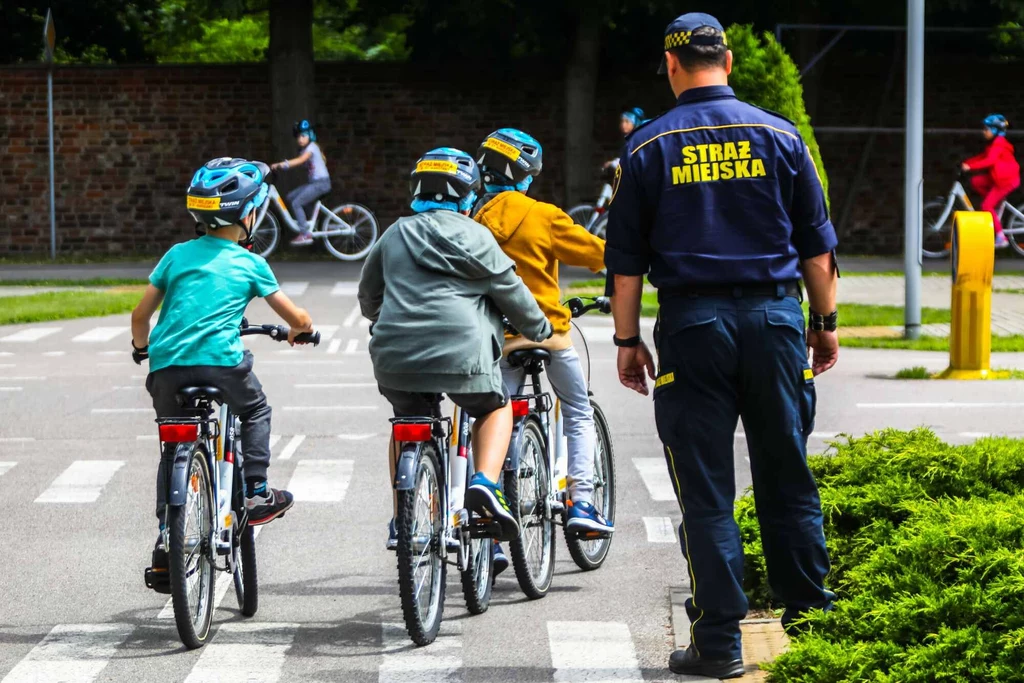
x=867, y=315
x=65, y=305
x=1009, y=291
x=916, y=372
x=1007, y=344
x=88, y=282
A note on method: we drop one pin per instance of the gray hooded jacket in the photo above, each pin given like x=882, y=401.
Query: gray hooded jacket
x=436, y=285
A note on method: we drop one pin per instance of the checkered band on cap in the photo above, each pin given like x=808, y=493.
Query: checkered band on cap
x=681, y=38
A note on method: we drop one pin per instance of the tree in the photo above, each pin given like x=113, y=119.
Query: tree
x=291, y=70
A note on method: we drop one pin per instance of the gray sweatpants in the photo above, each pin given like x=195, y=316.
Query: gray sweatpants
x=241, y=391
x=304, y=195
x=565, y=375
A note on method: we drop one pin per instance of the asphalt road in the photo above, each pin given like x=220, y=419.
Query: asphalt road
x=78, y=456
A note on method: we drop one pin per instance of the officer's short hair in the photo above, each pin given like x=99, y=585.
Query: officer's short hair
x=700, y=57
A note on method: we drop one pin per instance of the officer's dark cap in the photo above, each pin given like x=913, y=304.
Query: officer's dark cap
x=679, y=33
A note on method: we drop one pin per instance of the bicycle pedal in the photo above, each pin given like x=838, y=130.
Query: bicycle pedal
x=587, y=534
x=158, y=581
x=484, y=528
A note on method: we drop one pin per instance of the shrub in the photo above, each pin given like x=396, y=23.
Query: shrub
x=765, y=75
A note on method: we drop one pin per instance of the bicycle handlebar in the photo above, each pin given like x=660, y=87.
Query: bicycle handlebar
x=280, y=333
x=577, y=307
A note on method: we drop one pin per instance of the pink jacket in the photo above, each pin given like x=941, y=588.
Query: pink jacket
x=999, y=160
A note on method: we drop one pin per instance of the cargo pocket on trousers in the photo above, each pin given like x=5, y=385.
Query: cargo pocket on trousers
x=808, y=402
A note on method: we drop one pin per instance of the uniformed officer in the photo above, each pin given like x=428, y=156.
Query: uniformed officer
x=720, y=204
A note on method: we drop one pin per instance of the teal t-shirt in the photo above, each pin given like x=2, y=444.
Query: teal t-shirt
x=207, y=283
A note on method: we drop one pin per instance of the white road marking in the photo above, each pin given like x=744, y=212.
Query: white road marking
x=354, y=315
x=340, y=385
x=274, y=438
x=289, y=449
x=355, y=437
x=321, y=481
x=111, y=353
x=71, y=653
x=8, y=365
x=301, y=362
x=294, y=288
x=81, y=482
x=592, y=651
x=440, y=662
x=654, y=472
x=327, y=331
x=100, y=334
x=345, y=289
x=10, y=388
x=54, y=353
x=16, y=439
x=660, y=530
x=298, y=408
x=114, y=411
x=6, y=353
x=24, y=378
x=891, y=406
x=31, y=334
x=245, y=652
x=334, y=346
x=6, y=467
x=147, y=437
x=351, y=347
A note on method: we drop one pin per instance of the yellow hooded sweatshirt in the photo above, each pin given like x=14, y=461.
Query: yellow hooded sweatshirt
x=538, y=236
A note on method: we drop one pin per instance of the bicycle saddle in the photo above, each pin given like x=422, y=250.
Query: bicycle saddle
x=190, y=395
x=525, y=358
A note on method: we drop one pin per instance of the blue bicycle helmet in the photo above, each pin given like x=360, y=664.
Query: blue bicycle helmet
x=304, y=126
x=996, y=123
x=636, y=115
x=510, y=157
x=444, y=178
x=223, y=191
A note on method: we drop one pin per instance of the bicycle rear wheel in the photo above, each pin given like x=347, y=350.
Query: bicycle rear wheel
x=476, y=580
x=190, y=554
x=422, y=556
x=1014, y=230
x=246, y=590
x=355, y=234
x=589, y=554
x=936, y=237
x=581, y=214
x=266, y=235
x=528, y=491
x=600, y=227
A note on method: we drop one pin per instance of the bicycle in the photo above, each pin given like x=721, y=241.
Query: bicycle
x=937, y=221
x=594, y=217
x=430, y=484
x=348, y=230
x=206, y=516
x=535, y=473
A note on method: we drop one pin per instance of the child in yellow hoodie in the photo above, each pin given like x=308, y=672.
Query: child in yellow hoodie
x=539, y=236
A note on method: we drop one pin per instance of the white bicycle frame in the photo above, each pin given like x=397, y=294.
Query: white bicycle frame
x=274, y=198
x=958, y=193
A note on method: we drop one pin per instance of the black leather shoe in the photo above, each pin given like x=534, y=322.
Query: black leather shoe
x=688, y=662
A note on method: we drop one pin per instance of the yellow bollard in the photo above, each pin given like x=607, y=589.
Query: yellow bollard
x=970, y=336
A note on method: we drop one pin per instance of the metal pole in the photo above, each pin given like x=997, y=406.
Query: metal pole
x=53, y=211
x=914, y=157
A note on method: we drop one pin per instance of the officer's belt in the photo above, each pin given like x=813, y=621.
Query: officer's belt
x=778, y=290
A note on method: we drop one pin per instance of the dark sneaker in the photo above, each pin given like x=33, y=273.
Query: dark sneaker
x=584, y=518
x=268, y=507
x=486, y=499
x=500, y=560
x=304, y=239
x=688, y=662
x=392, y=543
x=158, y=576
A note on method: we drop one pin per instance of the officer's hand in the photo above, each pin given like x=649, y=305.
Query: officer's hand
x=824, y=347
x=632, y=362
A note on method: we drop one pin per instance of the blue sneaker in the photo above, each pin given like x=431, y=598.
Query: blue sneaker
x=392, y=543
x=584, y=518
x=500, y=559
x=486, y=499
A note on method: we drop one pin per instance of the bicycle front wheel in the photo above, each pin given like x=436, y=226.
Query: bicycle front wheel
x=937, y=234
x=266, y=235
x=351, y=237
x=246, y=591
x=528, y=491
x=1014, y=230
x=581, y=214
x=600, y=227
x=422, y=556
x=589, y=554
x=477, y=579
x=191, y=563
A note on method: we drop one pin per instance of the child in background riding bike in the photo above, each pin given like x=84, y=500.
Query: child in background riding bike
x=435, y=287
x=319, y=183
x=1002, y=172
x=539, y=236
x=628, y=121
x=205, y=285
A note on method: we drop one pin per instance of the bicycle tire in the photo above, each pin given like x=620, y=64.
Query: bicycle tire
x=348, y=248
x=422, y=627
x=1011, y=228
x=193, y=635
x=935, y=238
x=246, y=587
x=533, y=477
x=590, y=554
x=266, y=235
x=476, y=579
x=581, y=214
x=600, y=227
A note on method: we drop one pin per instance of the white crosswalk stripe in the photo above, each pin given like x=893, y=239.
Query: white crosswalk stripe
x=274, y=438
x=440, y=662
x=289, y=449
x=245, y=652
x=654, y=472
x=327, y=331
x=350, y=348
x=294, y=288
x=334, y=346
x=100, y=334
x=81, y=482
x=31, y=334
x=594, y=651
x=353, y=317
x=71, y=653
x=345, y=289
x=660, y=530
x=321, y=481
x=6, y=467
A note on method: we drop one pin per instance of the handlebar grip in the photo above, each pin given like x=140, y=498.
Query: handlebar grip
x=307, y=338
x=604, y=304
x=576, y=307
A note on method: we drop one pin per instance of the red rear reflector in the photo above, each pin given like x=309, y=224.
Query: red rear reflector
x=179, y=433
x=520, y=408
x=405, y=431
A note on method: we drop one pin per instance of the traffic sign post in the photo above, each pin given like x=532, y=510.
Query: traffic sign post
x=49, y=41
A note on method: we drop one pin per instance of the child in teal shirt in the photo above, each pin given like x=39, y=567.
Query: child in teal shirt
x=205, y=285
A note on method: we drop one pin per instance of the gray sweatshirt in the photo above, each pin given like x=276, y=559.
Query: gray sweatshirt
x=436, y=285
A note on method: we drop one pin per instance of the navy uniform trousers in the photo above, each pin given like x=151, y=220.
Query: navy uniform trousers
x=722, y=359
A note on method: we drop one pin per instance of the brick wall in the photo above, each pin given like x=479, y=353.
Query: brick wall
x=128, y=139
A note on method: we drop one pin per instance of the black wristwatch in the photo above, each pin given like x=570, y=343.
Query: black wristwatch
x=627, y=343
x=824, y=323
